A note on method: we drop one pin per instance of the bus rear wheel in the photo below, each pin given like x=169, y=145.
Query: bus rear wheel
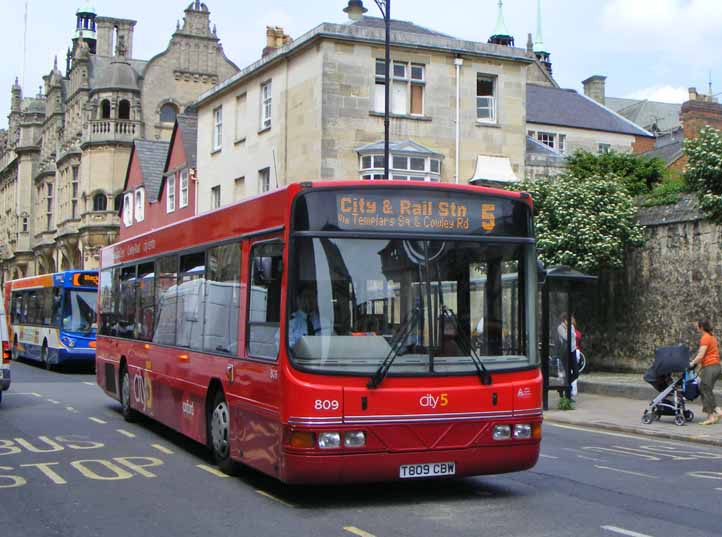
x=219, y=433
x=44, y=357
x=124, y=388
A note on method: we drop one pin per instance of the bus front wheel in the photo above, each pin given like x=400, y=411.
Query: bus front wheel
x=219, y=429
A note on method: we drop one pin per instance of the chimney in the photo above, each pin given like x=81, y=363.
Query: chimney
x=594, y=88
x=275, y=39
x=699, y=111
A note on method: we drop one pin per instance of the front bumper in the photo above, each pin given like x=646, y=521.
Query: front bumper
x=377, y=467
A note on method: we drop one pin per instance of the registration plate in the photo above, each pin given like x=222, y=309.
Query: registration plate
x=428, y=469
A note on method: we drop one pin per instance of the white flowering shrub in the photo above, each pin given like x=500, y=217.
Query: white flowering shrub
x=704, y=170
x=585, y=224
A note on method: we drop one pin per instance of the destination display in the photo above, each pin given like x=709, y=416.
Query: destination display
x=85, y=279
x=412, y=211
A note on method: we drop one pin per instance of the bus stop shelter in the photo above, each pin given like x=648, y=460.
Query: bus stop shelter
x=561, y=286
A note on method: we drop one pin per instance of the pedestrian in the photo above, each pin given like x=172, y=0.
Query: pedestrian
x=708, y=360
x=568, y=353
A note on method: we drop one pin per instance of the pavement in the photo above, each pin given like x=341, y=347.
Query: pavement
x=616, y=401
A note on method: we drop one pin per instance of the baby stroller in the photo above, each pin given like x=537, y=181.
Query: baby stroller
x=676, y=383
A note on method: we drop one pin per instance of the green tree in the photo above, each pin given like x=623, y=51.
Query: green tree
x=704, y=170
x=583, y=224
x=637, y=174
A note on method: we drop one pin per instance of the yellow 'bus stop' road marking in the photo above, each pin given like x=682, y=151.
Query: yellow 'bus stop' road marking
x=162, y=449
x=126, y=433
x=98, y=420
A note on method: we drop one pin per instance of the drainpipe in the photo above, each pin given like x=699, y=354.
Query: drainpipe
x=458, y=62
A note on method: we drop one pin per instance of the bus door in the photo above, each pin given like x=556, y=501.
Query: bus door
x=254, y=378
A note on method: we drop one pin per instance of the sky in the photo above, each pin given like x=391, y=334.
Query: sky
x=654, y=49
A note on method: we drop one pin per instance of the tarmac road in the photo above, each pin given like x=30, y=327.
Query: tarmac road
x=70, y=466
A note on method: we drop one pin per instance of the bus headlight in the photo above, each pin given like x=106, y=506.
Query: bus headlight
x=522, y=431
x=68, y=341
x=501, y=432
x=329, y=440
x=354, y=439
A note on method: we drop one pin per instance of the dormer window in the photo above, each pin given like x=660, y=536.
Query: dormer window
x=140, y=204
x=128, y=209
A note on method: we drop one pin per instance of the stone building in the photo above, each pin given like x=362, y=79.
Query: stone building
x=63, y=165
x=565, y=121
x=313, y=108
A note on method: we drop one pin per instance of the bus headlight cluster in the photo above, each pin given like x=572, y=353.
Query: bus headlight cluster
x=351, y=439
x=68, y=341
x=519, y=431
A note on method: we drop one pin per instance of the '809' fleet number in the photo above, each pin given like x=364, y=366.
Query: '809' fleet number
x=325, y=404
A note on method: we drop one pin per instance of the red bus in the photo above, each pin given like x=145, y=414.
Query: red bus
x=333, y=332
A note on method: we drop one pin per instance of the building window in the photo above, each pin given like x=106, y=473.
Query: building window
x=217, y=128
x=562, y=143
x=239, y=188
x=117, y=201
x=140, y=205
x=407, y=90
x=183, y=201
x=100, y=202
x=105, y=109
x=216, y=197
x=604, y=149
x=25, y=224
x=240, y=118
x=264, y=180
x=74, y=194
x=49, y=211
x=402, y=167
x=168, y=113
x=128, y=209
x=170, y=197
x=124, y=109
x=266, y=105
x=548, y=139
x=485, y=98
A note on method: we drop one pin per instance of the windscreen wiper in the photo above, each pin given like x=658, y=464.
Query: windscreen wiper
x=484, y=374
x=396, y=345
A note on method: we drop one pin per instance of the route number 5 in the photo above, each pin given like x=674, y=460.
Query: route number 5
x=488, y=220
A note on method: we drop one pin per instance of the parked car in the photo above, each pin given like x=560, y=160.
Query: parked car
x=5, y=360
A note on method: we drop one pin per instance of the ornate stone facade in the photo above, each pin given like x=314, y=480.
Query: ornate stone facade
x=64, y=157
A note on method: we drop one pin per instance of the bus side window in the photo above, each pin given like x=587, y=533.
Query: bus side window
x=190, y=301
x=222, y=297
x=264, y=312
x=166, y=289
x=146, y=301
x=126, y=311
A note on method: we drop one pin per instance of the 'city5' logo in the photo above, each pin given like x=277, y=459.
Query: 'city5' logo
x=430, y=401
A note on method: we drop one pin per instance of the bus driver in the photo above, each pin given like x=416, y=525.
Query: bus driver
x=305, y=321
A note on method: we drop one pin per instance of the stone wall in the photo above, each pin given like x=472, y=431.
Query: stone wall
x=666, y=286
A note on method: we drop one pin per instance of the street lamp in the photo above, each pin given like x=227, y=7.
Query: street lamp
x=355, y=10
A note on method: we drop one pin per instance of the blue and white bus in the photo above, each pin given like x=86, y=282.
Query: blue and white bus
x=52, y=319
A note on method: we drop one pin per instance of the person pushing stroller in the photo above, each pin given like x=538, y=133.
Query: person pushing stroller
x=708, y=360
